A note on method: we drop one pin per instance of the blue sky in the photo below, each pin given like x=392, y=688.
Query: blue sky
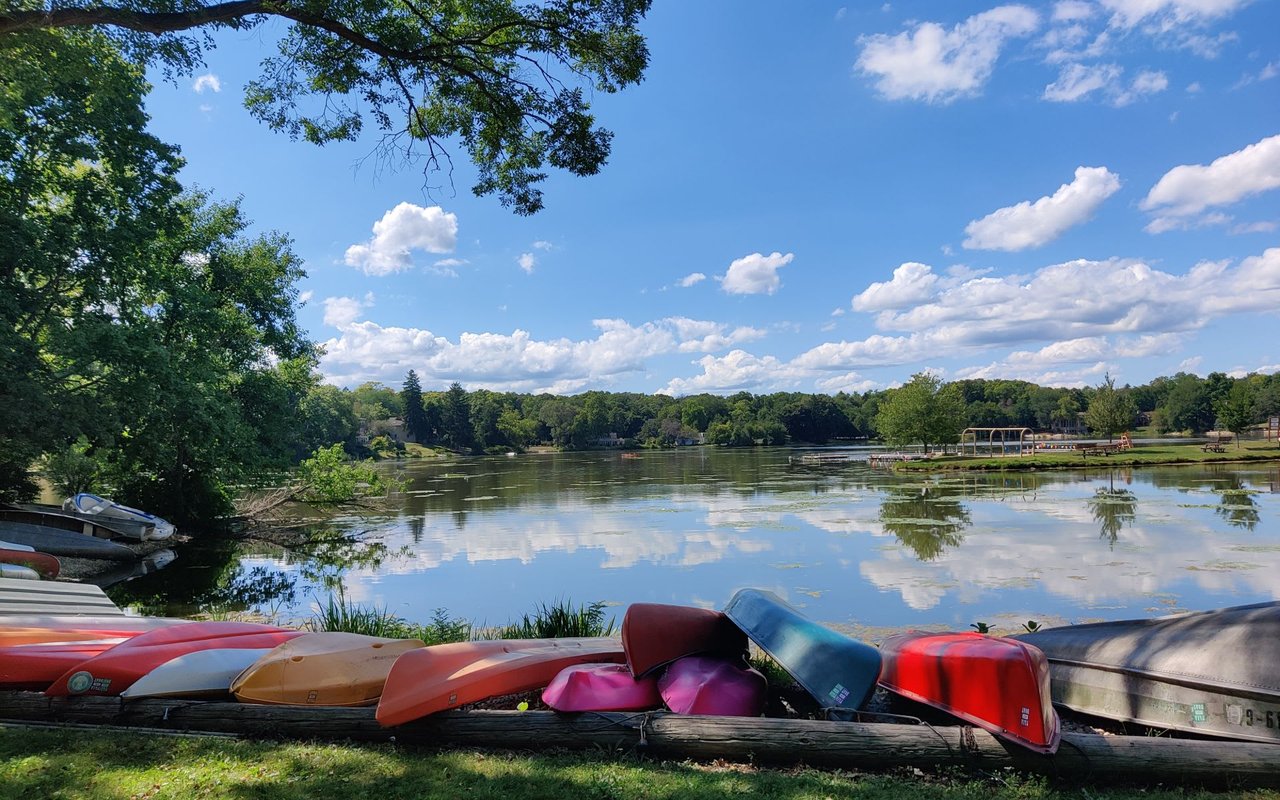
x=813, y=197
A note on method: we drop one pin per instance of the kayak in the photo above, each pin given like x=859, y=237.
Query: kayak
x=25, y=548
x=118, y=668
x=1001, y=685
x=41, y=629
x=46, y=565
x=713, y=686
x=35, y=667
x=61, y=542
x=445, y=676
x=837, y=671
x=18, y=572
x=655, y=634
x=203, y=673
x=322, y=669
x=601, y=687
x=1209, y=672
x=93, y=505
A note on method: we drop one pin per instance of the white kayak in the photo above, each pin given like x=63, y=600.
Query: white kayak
x=86, y=503
x=26, y=548
x=198, y=674
x=19, y=572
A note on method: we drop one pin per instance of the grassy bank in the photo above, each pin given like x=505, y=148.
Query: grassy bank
x=86, y=765
x=1141, y=455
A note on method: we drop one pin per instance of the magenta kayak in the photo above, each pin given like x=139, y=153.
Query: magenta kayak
x=714, y=686
x=601, y=687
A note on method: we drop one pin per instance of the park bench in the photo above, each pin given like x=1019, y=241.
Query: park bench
x=1217, y=444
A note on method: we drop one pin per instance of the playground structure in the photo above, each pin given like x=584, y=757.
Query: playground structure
x=1011, y=440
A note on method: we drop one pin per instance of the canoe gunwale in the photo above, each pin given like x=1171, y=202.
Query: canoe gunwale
x=1230, y=688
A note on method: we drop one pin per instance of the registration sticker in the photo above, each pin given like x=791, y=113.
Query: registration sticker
x=838, y=694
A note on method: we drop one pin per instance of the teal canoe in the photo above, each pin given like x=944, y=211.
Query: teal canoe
x=838, y=671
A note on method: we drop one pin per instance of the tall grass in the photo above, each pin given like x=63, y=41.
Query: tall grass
x=558, y=620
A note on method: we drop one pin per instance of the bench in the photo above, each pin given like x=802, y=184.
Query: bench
x=1213, y=447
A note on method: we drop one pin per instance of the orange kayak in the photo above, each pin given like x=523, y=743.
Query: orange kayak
x=322, y=669
x=655, y=634
x=446, y=676
x=45, y=629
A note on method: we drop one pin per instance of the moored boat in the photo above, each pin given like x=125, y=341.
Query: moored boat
x=713, y=686
x=322, y=669
x=655, y=634
x=998, y=684
x=74, y=522
x=1210, y=672
x=446, y=676
x=601, y=687
x=837, y=671
x=93, y=505
x=61, y=542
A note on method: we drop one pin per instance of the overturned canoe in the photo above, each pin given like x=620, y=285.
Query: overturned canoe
x=601, y=687
x=655, y=634
x=1210, y=672
x=998, y=684
x=322, y=669
x=445, y=676
x=837, y=671
x=47, y=566
x=203, y=673
x=714, y=687
x=62, y=542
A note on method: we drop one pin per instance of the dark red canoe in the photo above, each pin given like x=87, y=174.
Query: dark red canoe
x=998, y=684
x=34, y=667
x=655, y=634
x=48, y=566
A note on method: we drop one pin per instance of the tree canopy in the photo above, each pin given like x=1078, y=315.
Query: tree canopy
x=1111, y=410
x=507, y=82
x=924, y=410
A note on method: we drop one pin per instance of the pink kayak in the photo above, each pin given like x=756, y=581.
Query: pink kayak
x=713, y=686
x=601, y=687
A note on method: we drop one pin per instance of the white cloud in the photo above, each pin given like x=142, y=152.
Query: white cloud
x=340, y=312
x=1146, y=83
x=402, y=230
x=1072, y=11
x=1168, y=13
x=735, y=371
x=912, y=283
x=1190, y=364
x=755, y=274
x=1077, y=81
x=207, y=81
x=542, y=245
x=527, y=262
x=1262, y=226
x=1032, y=224
x=1185, y=191
x=700, y=336
x=691, y=279
x=933, y=64
x=306, y=296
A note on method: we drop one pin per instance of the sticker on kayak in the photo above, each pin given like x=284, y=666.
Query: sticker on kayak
x=1026, y=717
x=82, y=682
x=838, y=693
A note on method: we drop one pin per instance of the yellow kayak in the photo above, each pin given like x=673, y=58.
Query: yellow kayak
x=322, y=669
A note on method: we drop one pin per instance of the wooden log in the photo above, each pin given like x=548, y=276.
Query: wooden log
x=846, y=745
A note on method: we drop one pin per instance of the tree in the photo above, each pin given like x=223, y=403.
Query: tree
x=1111, y=410
x=1236, y=409
x=415, y=416
x=455, y=419
x=924, y=411
x=503, y=80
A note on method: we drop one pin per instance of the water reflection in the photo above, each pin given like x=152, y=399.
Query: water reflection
x=1113, y=508
x=928, y=519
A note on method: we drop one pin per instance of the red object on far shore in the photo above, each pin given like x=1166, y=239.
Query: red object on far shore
x=998, y=684
x=655, y=634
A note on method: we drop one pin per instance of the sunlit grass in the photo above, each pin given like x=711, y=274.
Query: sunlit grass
x=1139, y=455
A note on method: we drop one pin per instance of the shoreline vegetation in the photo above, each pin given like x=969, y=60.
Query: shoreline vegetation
x=1165, y=453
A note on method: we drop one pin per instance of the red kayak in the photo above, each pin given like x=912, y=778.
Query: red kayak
x=33, y=667
x=50, y=629
x=655, y=634
x=116, y=669
x=998, y=684
x=601, y=687
x=48, y=566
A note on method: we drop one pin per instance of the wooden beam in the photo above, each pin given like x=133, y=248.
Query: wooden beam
x=845, y=745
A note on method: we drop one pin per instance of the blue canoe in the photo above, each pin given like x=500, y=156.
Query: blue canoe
x=61, y=542
x=838, y=671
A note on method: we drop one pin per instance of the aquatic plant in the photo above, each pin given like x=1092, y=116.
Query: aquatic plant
x=980, y=627
x=557, y=620
x=1031, y=626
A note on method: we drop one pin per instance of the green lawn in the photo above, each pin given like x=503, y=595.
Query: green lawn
x=82, y=764
x=1140, y=455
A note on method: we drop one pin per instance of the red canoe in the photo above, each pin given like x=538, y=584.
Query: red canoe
x=998, y=684
x=48, y=566
x=50, y=629
x=444, y=676
x=654, y=634
x=116, y=669
x=34, y=667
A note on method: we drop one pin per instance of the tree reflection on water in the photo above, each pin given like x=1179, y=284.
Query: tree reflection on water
x=927, y=518
x=1112, y=508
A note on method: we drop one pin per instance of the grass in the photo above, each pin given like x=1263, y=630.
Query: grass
x=1140, y=455
x=46, y=763
x=559, y=619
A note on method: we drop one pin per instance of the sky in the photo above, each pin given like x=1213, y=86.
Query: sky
x=812, y=197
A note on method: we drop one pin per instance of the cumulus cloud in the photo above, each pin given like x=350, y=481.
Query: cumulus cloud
x=1168, y=13
x=911, y=283
x=691, y=279
x=1078, y=81
x=1032, y=224
x=402, y=230
x=755, y=274
x=934, y=64
x=527, y=262
x=1185, y=192
x=735, y=371
x=340, y=312
x=208, y=81
x=1072, y=11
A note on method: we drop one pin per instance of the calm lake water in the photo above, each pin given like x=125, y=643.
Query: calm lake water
x=489, y=538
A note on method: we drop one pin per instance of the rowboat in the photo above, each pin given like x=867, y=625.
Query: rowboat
x=837, y=671
x=61, y=542
x=118, y=668
x=713, y=686
x=101, y=507
x=322, y=669
x=56, y=517
x=601, y=687
x=1209, y=672
x=203, y=673
x=444, y=676
x=45, y=565
x=655, y=634
x=998, y=684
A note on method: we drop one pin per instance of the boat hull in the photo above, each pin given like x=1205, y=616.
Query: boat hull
x=1214, y=673
x=998, y=684
x=601, y=687
x=655, y=634
x=85, y=504
x=712, y=686
x=36, y=666
x=45, y=564
x=322, y=669
x=43, y=629
x=445, y=676
x=62, y=542
x=203, y=673
x=837, y=671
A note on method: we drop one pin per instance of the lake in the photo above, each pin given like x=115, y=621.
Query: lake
x=489, y=538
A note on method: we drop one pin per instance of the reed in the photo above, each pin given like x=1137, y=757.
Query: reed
x=558, y=620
